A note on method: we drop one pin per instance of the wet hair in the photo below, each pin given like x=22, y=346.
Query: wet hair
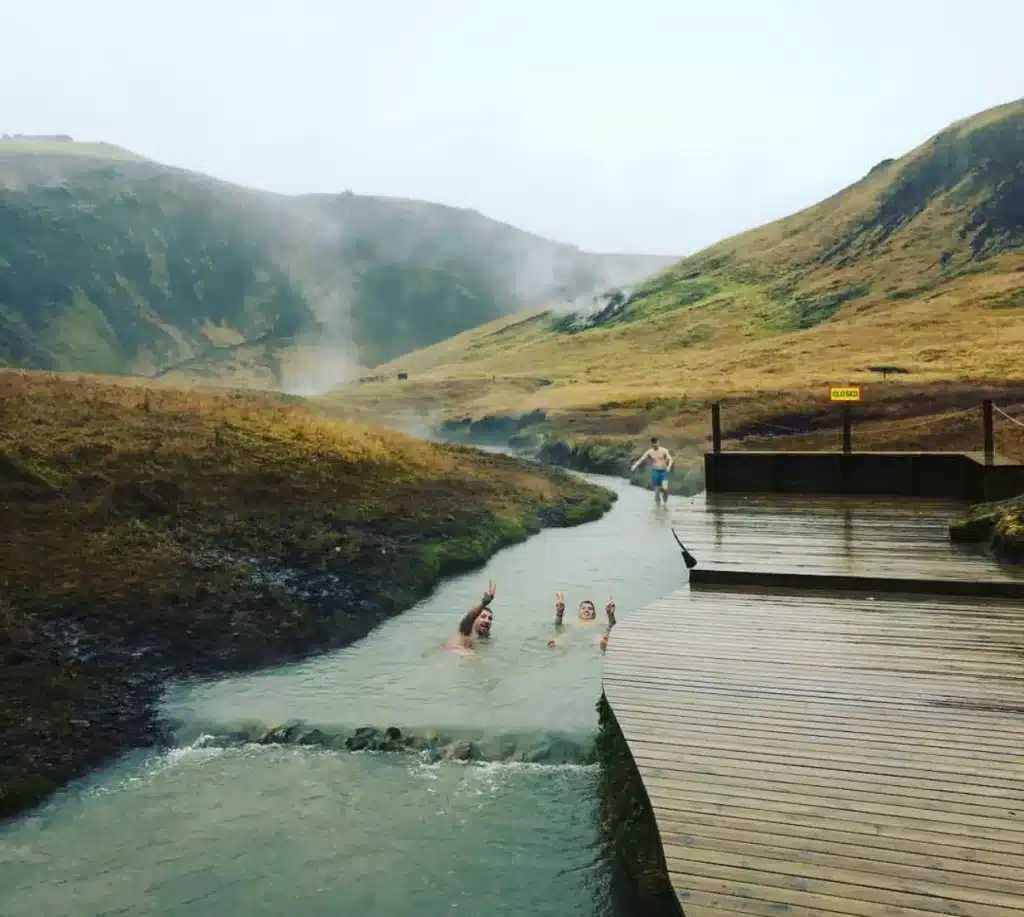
x=588, y=602
x=468, y=620
x=654, y=440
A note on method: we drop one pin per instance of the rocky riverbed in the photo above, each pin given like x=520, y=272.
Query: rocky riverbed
x=426, y=745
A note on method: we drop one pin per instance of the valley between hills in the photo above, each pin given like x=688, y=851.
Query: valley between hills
x=187, y=368
x=916, y=268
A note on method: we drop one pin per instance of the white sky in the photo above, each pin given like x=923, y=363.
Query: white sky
x=647, y=126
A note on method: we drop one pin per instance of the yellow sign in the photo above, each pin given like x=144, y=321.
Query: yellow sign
x=839, y=393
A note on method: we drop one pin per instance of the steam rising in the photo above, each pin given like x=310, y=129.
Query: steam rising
x=325, y=241
x=318, y=367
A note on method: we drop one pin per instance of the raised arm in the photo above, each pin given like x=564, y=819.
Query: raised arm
x=609, y=609
x=466, y=624
x=559, y=608
x=640, y=460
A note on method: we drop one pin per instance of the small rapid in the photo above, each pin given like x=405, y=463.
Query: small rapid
x=389, y=778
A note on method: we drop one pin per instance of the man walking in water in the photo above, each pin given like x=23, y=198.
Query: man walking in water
x=661, y=465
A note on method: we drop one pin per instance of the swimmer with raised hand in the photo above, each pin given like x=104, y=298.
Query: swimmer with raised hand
x=585, y=613
x=609, y=609
x=476, y=623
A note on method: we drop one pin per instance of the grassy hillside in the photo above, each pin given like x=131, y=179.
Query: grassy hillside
x=112, y=263
x=104, y=274
x=148, y=532
x=918, y=265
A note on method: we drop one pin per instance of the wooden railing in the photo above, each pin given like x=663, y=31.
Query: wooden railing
x=988, y=409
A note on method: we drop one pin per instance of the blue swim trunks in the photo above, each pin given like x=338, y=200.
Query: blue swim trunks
x=658, y=475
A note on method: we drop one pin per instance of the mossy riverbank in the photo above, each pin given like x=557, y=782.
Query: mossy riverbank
x=615, y=456
x=1000, y=525
x=151, y=532
x=632, y=842
x=546, y=440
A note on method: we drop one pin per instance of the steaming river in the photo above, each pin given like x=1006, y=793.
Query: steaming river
x=217, y=827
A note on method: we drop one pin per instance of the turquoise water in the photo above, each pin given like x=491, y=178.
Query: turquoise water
x=221, y=827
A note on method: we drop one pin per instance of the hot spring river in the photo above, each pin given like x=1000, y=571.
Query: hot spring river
x=220, y=827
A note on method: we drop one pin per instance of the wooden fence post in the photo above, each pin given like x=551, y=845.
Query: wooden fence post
x=847, y=429
x=716, y=428
x=990, y=442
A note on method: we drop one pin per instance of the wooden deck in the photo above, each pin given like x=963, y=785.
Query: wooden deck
x=811, y=753
x=836, y=542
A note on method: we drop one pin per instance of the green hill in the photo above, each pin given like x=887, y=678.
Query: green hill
x=127, y=268
x=112, y=263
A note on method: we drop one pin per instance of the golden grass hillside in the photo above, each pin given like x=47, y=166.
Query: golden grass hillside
x=79, y=456
x=918, y=265
x=146, y=531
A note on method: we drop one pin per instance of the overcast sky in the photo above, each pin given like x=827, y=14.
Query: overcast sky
x=641, y=126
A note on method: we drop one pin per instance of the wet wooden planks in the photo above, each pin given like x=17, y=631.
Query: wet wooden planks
x=842, y=542
x=815, y=754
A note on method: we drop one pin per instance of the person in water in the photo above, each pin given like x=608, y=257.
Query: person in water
x=586, y=613
x=476, y=623
x=661, y=466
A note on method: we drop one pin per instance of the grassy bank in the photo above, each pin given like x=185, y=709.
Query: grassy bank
x=150, y=531
x=552, y=443
x=615, y=455
x=893, y=414
x=999, y=525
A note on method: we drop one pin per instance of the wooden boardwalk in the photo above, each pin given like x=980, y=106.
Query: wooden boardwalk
x=810, y=754
x=842, y=542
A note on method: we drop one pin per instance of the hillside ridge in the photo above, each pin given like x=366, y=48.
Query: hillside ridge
x=114, y=263
x=919, y=264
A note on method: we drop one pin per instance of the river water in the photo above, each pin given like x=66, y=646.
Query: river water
x=218, y=827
